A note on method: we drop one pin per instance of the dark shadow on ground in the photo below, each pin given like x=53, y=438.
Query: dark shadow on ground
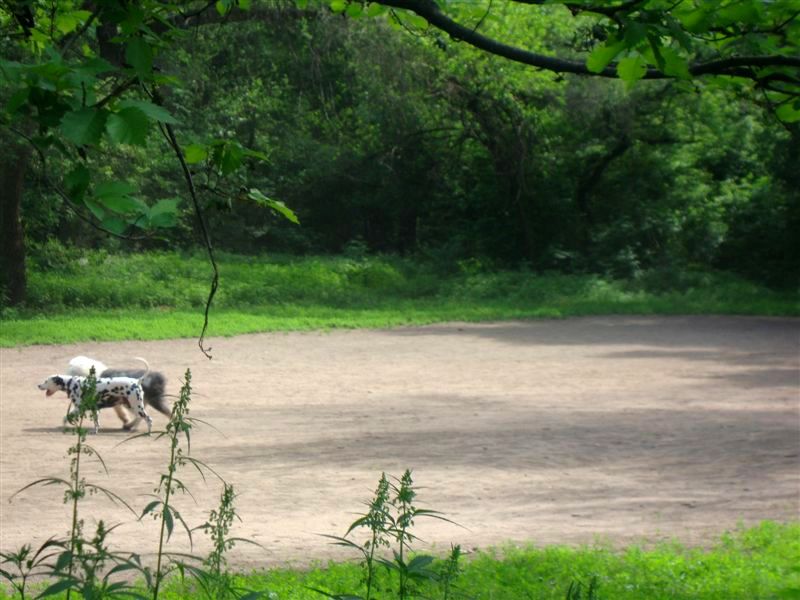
x=673, y=441
x=727, y=333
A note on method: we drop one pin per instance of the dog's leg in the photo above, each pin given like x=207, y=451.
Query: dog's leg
x=132, y=424
x=122, y=414
x=73, y=408
x=139, y=409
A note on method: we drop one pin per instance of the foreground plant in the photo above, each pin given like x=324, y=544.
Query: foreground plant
x=577, y=591
x=215, y=582
x=212, y=579
x=87, y=566
x=178, y=427
x=84, y=566
x=389, y=520
x=23, y=564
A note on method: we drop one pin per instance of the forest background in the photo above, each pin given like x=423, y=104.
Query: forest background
x=351, y=156
x=386, y=136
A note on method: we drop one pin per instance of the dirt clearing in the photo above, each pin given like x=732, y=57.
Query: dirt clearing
x=617, y=428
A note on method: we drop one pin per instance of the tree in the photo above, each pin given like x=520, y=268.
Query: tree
x=83, y=78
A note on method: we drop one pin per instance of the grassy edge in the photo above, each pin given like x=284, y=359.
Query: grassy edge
x=159, y=324
x=753, y=563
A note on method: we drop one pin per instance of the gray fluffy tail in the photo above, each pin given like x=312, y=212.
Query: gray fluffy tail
x=154, y=386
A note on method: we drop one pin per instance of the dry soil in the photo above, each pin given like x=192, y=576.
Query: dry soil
x=621, y=429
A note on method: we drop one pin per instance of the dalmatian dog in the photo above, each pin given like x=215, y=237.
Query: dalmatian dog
x=111, y=391
x=153, y=384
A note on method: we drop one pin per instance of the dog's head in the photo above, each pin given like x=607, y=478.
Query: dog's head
x=53, y=384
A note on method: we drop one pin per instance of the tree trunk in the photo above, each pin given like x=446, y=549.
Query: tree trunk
x=13, y=277
x=587, y=182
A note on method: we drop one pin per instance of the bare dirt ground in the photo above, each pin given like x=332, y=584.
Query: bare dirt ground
x=621, y=429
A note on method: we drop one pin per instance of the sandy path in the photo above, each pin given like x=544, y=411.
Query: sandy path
x=551, y=431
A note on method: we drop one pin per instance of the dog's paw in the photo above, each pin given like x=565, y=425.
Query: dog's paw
x=127, y=426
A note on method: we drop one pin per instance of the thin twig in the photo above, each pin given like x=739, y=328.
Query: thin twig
x=70, y=40
x=483, y=18
x=117, y=91
x=169, y=133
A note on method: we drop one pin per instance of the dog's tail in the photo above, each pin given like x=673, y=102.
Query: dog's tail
x=146, y=366
x=154, y=393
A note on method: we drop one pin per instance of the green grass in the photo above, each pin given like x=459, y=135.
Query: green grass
x=752, y=564
x=78, y=296
x=759, y=563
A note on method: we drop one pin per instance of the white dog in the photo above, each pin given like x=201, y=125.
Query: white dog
x=81, y=365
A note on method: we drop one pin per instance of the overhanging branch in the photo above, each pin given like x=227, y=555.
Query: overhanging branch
x=430, y=11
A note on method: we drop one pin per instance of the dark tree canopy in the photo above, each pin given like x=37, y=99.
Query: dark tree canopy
x=79, y=74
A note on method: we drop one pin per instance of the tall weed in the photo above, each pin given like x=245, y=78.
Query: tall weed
x=82, y=565
x=86, y=566
x=389, y=521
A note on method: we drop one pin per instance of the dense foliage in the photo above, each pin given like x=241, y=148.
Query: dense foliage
x=388, y=134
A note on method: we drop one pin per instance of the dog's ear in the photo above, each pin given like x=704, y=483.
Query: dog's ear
x=59, y=381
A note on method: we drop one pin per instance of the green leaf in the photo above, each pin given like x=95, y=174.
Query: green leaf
x=150, y=507
x=788, y=112
x=679, y=34
x=115, y=196
x=128, y=126
x=230, y=158
x=739, y=12
x=256, y=154
x=115, y=225
x=603, y=55
x=94, y=66
x=338, y=6
x=223, y=6
x=415, y=20
x=66, y=22
x=77, y=182
x=168, y=520
x=154, y=111
x=94, y=208
x=275, y=205
x=375, y=9
x=164, y=213
x=122, y=204
x=84, y=126
x=675, y=64
x=635, y=32
x=631, y=69
x=17, y=100
x=195, y=153
x=695, y=21
x=11, y=69
x=139, y=55
x=113, y=188
x=59, y=586
x=354, y=10
x=134, y=18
